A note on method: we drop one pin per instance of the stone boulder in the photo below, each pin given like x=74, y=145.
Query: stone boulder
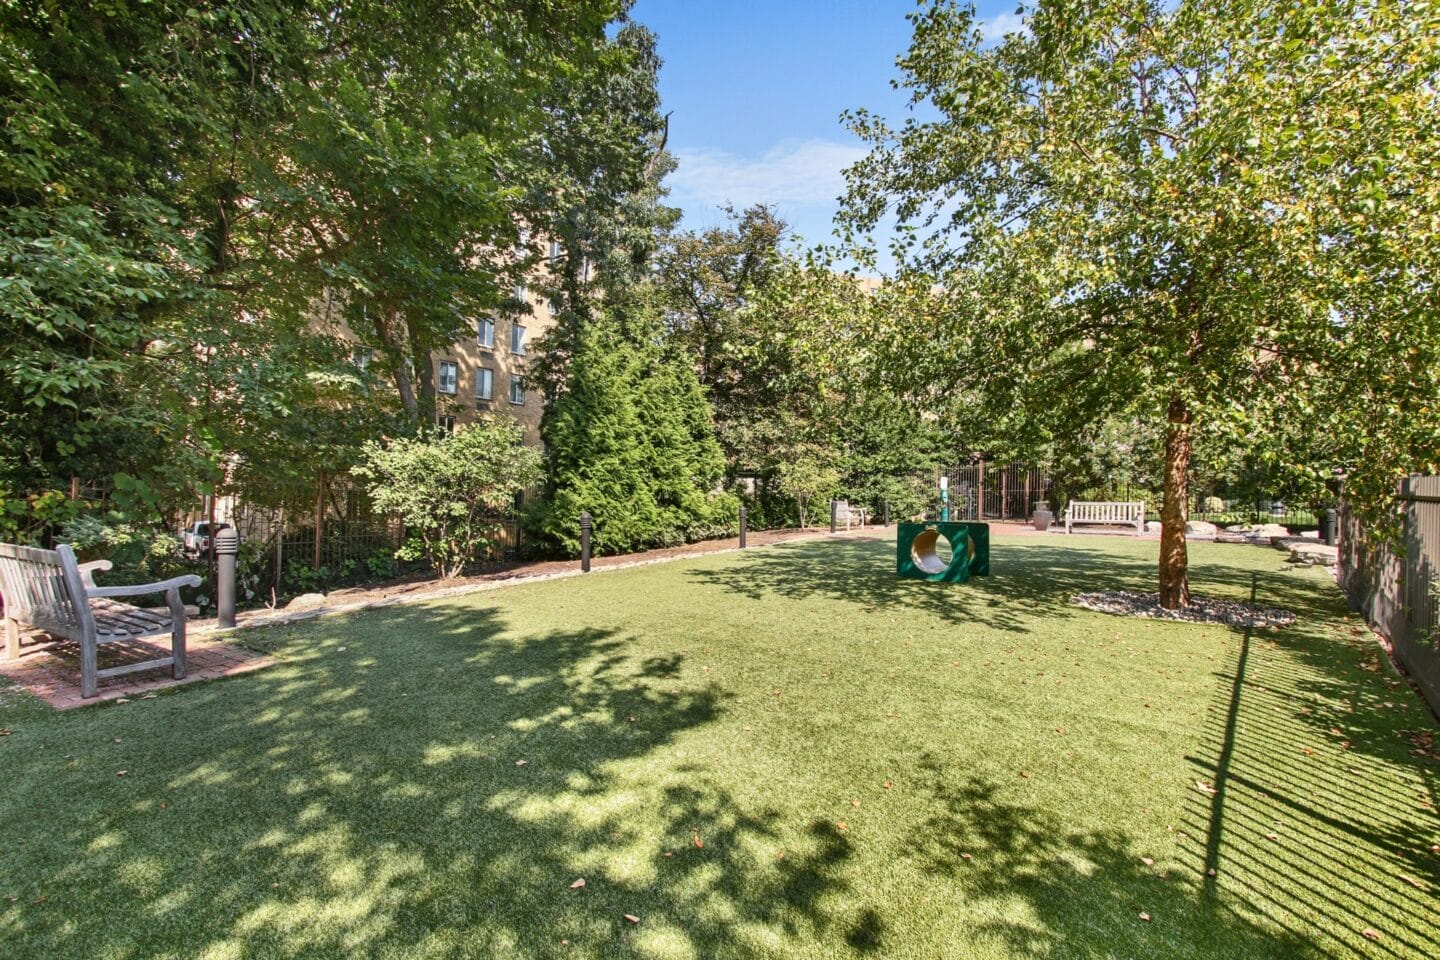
x=306, y=601
x=1259, y=531
x=1200, y=528
x=1309, y=553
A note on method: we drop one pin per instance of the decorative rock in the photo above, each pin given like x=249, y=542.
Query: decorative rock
x=1152, y=526
x=1200, y=528
x=1236, y=613
x=1308, y=552
x=306, y=601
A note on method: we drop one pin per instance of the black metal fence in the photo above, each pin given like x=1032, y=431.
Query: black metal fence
x=986, y=491
x=331, y=534
x=980, y=490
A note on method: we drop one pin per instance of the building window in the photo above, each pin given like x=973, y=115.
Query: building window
x=521, y=293
x=517, y=389
x=556, y=251
x=361, y=357
x=485, y=332
x=449, y=377
x=445, y=422
x=517, y=339
x=523, y=241
x=484, y=384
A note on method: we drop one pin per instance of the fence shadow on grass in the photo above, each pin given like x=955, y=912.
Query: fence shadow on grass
x=1289, y=794
x=1046, y=884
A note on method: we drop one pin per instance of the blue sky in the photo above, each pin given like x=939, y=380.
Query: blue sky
x=756, y=90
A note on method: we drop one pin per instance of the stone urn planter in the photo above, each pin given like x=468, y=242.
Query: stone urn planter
x=1042, y=518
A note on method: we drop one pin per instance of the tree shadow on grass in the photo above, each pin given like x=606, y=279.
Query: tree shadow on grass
x=410, y=783
x=1028, y=580
x=1024, y=577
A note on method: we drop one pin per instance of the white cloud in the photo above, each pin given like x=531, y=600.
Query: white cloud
x=994, y=28
x=801, y=172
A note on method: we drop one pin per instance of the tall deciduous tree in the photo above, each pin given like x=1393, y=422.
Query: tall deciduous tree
x=182, y=182
x=1139, y=209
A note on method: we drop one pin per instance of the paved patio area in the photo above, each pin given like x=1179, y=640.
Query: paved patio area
x=51, y=669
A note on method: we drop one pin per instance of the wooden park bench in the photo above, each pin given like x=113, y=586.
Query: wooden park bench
x=1108, y=513
x=846, y=514
x=48, y=590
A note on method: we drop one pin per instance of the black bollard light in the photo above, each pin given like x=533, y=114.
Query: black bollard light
x=743, y=516
x=585, y=525
x=885, y=513
x=227, y=547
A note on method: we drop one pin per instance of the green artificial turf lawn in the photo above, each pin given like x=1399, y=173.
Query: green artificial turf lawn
x=779, y=753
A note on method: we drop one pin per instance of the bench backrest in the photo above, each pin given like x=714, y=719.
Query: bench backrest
x=43, y=588
x=1102, y=511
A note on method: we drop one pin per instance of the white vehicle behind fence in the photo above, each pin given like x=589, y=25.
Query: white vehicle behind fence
x=196, y=537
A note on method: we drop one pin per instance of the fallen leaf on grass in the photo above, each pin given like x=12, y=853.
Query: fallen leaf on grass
x=1205, y=788
x=854, y=803
x=699, y=844
x=1148, y=861
x=842, y=825
x=1024, y=774
x=1272, y=836
x=1412, y=881
x=888, y=784
x=521, y=763
x=1144, y=916
x=632, y=918
x=966, y=856
x=1369, y=934
x=578, y=884
x=6, y=731
x=121, y=773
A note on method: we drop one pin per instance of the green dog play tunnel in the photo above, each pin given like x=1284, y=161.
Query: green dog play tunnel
x=949, y=552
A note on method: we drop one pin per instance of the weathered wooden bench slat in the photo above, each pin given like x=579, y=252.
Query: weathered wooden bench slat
x=49, y=590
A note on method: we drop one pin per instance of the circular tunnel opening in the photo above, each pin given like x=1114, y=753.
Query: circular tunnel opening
x=931, y=552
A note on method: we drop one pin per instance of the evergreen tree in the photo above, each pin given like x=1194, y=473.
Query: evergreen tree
x=629, y=441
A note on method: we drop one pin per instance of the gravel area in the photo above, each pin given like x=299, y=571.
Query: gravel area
x=1235, y=613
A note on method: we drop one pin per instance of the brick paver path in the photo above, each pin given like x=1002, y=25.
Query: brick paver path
x=51, y=671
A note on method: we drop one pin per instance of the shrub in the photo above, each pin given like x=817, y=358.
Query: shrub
x=449, y=488
x=807, y=476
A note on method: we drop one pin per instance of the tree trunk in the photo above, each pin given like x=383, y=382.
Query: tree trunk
x=385, y=327
x=1174, y=560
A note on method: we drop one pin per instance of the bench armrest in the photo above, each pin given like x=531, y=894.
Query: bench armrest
x=87, y=571
x=144, y=589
